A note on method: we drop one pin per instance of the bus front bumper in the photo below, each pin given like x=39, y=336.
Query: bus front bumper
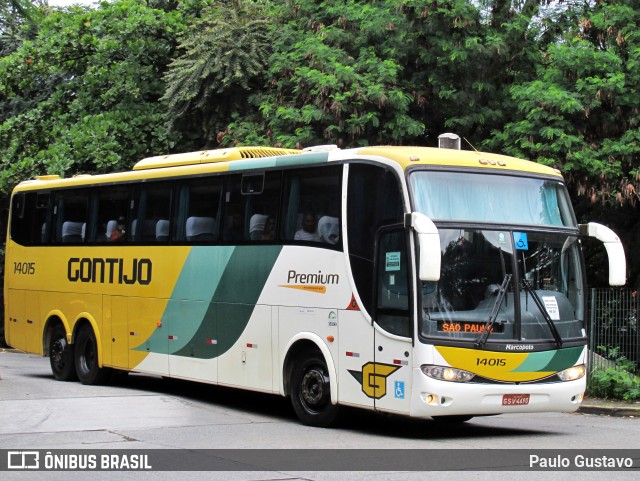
x=432, y=397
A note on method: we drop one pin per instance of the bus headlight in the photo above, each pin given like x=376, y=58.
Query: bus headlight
x=444, y=373
x=573, y=373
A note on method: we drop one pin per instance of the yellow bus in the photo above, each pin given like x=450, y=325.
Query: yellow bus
x=428, y=282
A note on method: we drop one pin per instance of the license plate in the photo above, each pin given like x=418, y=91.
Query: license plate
x=515, y=399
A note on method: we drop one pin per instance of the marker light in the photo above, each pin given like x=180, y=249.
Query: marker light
x=573, y=373
x=443, y=373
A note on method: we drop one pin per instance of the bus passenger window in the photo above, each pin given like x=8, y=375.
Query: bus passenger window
x=200, y=209
x=113, y=204
x=72, y=215
x=30, y=218
x=313, y=205
x=251, y=202
x=153, y=213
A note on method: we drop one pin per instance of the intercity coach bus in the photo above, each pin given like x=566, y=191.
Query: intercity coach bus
x=428, y=282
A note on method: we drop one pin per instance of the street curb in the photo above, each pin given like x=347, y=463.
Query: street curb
x=613, y=409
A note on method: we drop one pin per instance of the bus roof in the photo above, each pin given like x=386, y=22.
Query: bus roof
x=410, y=156
x=248, y=158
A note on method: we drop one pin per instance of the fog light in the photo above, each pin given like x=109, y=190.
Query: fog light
x=443, y=373
x=428, y=398
x=573, y=373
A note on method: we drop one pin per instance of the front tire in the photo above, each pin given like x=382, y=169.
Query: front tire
x=61, y=355
x=311, y=391
x=86, y=358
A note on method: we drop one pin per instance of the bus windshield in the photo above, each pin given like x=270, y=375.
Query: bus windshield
x=530, y=282
x=517, y=283
x=503, y=199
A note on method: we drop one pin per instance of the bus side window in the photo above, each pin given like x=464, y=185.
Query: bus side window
x=199, y=209
x=30, y=218
x=312, y=195
x=72, y=215
x=251, y=207
x=112, y=212
x=152, y=213
x=262, y=205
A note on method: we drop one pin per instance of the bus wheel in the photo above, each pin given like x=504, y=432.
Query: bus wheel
x=61, y=356
x=311, y=392
x=86, y=356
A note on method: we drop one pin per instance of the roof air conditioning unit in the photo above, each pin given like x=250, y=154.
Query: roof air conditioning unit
x=449, y=141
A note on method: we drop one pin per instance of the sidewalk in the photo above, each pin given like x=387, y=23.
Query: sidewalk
x=609, y=408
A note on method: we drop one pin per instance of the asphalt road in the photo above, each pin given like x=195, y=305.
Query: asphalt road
x=148, y=412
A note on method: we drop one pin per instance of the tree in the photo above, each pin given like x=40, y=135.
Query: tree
x=82, y=96
x=354, y=73
x=17, y=22
x=223, y=58
x=580, y=114
x=335, y=76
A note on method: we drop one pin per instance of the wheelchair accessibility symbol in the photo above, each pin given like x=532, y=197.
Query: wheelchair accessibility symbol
x=520, y=240
x=398, y=390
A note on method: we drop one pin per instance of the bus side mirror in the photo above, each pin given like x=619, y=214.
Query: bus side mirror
x=613, y=246
x=429, y=242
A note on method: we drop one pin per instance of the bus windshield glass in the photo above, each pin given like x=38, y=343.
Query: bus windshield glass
x=529, y=282
x=517, y=283
x=476, y=197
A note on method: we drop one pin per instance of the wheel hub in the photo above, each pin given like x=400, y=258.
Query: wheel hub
x=313, y=387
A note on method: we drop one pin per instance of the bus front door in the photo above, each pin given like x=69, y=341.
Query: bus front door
x=392, y=365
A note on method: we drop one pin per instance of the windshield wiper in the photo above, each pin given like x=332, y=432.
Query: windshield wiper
x=484, y=335
x=538, y=302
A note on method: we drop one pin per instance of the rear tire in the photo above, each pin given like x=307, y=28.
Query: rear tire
x=86, y=358
x=311, y=391
x=61, y=355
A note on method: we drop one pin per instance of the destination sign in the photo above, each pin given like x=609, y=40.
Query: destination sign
x=467, y=327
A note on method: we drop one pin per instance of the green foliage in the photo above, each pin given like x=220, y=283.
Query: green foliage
x=616, y=382
x=357, y=73
x=18, y=19
x=335, y=76
x=581, y=113
x=223, y=57
x=82, y=95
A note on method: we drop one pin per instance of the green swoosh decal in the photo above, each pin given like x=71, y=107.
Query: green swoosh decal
x=213, y=300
